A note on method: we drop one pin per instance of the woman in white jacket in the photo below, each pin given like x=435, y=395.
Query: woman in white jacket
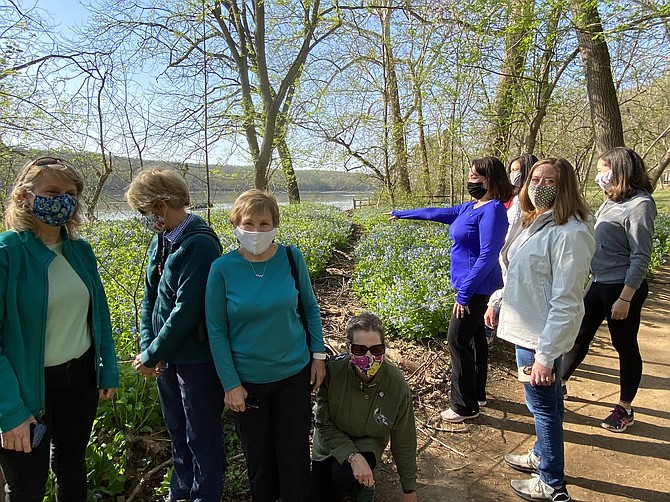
x=547, y=267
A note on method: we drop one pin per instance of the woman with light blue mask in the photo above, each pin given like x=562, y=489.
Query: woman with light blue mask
x=618, y=287
x=58, y=354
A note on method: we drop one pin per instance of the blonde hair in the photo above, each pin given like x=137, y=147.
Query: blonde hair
x=19, y=214
x=152, y=185
x=569, y=201
x=254, y=201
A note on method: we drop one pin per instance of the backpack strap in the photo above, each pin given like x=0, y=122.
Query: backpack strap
x=301, y=308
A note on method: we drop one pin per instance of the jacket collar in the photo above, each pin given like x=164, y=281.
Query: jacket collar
x=36, y=247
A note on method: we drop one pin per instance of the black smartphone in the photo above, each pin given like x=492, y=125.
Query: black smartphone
x=36, y=434
x=252, y=403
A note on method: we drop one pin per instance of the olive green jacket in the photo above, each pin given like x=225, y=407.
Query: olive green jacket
x=352, y=416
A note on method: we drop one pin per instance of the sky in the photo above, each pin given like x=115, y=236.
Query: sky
x=67, y=13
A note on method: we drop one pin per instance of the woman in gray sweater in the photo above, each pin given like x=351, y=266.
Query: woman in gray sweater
x=618, y=289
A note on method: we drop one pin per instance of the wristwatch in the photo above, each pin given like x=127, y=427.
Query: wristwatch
x=319, y=356
x=352, y=456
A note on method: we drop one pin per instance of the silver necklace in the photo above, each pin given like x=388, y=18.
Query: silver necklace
x=260, y=276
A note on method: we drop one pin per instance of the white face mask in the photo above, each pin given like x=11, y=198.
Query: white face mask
x=603, y=179
x=515, y=178
x=255, y=242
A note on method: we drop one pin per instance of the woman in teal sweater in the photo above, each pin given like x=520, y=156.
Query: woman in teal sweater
x=262, y=351
x=57, y=354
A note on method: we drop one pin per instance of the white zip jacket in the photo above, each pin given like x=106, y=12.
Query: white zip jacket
x=542, y=300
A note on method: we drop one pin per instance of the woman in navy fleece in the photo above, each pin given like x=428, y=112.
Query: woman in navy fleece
x=478, y=229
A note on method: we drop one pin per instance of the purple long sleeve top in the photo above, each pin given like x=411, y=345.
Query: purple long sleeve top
x=478, y=234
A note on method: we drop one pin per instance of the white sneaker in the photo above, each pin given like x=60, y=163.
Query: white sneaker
x=535, y=489
x=450, y=415
x=523, y=463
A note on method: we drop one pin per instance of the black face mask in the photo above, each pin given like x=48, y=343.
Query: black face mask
x=477, y=190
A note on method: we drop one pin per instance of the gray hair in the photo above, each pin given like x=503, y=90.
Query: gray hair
x=365, y=321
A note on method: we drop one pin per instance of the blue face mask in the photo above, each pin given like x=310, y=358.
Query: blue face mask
x=55, y=211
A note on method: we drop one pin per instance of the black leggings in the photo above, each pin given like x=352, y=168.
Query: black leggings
x=330, y=479
x=598, y=306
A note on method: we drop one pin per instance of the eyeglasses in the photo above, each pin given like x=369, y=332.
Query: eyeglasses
x=361, y=350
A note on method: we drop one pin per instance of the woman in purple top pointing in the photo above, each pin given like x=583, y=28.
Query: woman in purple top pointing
x=478, y=229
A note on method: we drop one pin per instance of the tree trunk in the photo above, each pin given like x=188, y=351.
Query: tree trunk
x=289, y=172
x=421, y=137
x=398, y=143
x=507, y=92
x=92, y=201
x=657, y=171
x=603, y=102
x=443, y=143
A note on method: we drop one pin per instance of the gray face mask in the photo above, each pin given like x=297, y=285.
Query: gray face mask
x=515, y=178
x=542, y=196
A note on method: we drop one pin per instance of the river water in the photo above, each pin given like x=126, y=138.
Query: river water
x=115, y=208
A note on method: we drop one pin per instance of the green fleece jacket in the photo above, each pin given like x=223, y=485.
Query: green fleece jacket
x=24, y=296
x=352, y=417
x=172, y=326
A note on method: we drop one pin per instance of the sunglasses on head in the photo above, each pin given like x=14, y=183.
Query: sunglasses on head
x=361, y=350
x=48, y=161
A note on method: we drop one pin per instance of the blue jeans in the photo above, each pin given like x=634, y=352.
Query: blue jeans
x=546, y=405
x=192, y=402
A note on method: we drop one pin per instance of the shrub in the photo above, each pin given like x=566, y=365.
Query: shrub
x=402, y=274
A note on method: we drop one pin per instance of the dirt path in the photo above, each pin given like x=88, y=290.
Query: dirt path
x=464, y=463
x=600, y=465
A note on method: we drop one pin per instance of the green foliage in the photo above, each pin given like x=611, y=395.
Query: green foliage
x=402, y=274
x=121, y=248
x=106, y=461
x=236, y=484
x=368, y=217
x=316, y=230
x=661, y=244
x=135, y=408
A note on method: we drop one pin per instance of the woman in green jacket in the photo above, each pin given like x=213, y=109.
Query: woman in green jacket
x=173, y=343
x=363, y=404
x=57, y=354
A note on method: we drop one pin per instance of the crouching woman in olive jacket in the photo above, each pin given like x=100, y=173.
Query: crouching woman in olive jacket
x=363, y=403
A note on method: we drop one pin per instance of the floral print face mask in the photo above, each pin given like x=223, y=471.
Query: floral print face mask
x=55, y=211
x=153, y=222
x=368, y=364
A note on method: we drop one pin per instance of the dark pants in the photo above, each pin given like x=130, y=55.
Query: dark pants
x=71, y=395
x=275, y=438
x=598, y=303
x=469, y=358
x=192, y=402
x=331, y=480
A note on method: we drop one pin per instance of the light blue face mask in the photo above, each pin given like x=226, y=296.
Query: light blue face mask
x=55, y=211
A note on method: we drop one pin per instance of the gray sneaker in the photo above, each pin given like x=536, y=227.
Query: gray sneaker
x=523, y=463
x=536, y=489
